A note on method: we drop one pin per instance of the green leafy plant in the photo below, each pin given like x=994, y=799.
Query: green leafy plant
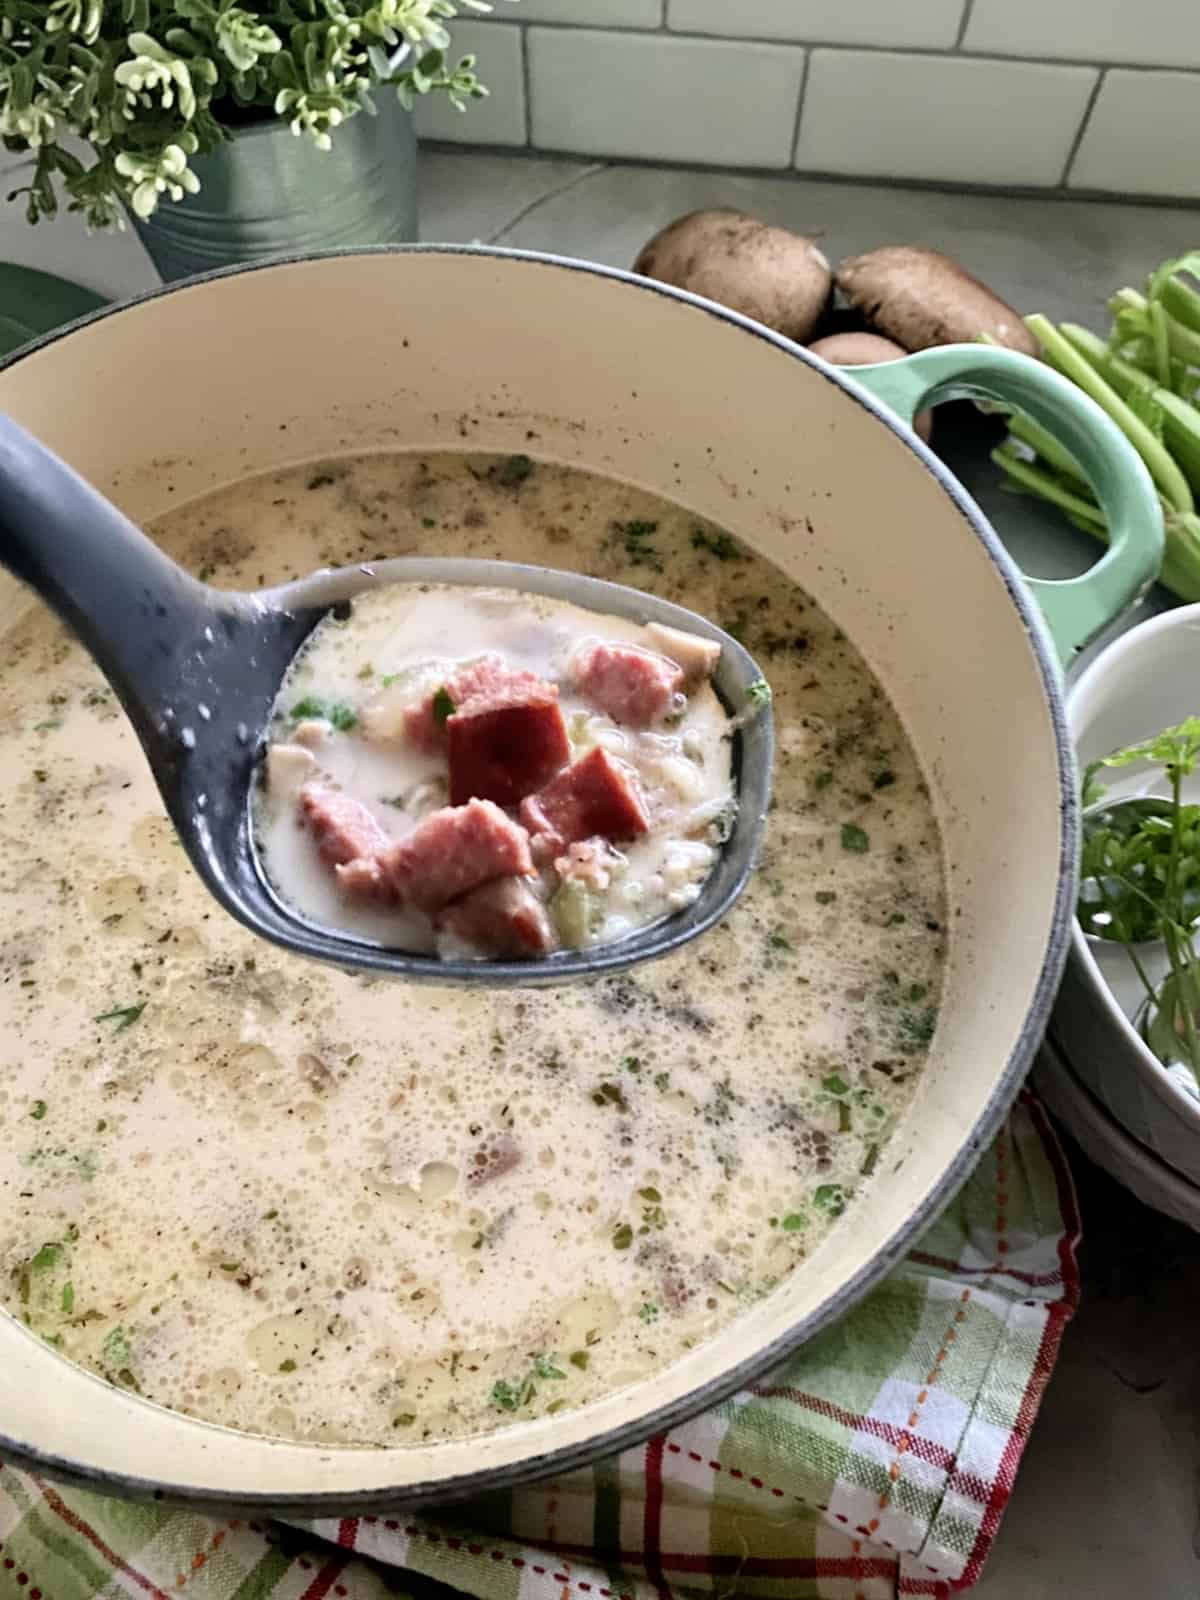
x=1140, y=880
x=150, y=83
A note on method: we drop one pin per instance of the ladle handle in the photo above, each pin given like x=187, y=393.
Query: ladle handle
x=128, y=603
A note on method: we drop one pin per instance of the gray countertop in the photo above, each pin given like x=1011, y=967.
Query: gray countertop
x=1106, y=1500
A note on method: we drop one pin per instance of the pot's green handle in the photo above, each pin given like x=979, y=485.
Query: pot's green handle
x=1075, y=609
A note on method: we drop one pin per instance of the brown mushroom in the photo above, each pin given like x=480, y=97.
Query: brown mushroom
x=779, y=278
x=921, y=298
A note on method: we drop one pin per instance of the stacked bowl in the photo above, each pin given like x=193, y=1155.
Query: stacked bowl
x=1130, y=1112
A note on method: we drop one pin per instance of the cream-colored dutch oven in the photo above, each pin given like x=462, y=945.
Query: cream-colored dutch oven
x=435, y=348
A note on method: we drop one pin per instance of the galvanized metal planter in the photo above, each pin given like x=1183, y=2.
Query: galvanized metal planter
x=266, y=192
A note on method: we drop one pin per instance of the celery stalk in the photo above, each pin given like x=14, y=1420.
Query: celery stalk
x=1159, y=339
x=1169, y=270
x=1180, y=300
x=1047, y=446
x=1181, y=421
x=1184, y=340
x=1048, y=487
x=1063, y=355
x=1181, y=561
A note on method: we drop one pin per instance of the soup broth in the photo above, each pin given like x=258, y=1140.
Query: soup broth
x=337, y=1209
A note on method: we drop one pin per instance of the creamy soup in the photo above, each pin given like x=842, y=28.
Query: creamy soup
x=486, y=773
x=334, y=1208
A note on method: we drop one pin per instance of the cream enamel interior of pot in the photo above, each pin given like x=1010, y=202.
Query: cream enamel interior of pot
x=178, y=395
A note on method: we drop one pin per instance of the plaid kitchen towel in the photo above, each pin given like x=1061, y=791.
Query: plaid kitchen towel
x=875, y=1463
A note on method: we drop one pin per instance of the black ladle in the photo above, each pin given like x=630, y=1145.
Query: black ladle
x=198, y=671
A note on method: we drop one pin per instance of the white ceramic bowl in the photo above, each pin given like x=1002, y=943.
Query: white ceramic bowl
x=1146, y=681
x=1106, y=1143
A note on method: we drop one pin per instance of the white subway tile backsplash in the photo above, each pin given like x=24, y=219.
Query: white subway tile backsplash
x=601, y=13
x=1151, y=32
x=987, y=92
x=946, y=118
x=1142, y=136
x=662, y=98
x=922, y=24
x=500, y=118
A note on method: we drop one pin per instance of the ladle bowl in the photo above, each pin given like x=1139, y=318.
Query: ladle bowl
x=198, y=671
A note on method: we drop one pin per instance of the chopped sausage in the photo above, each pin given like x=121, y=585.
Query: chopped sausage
x=633, y=686
x=499, y=1153
x=506, y=742
x=427, y=729
x=696, y=656
x=364, y=879
x=597, y=797
x=454, y=850
x=343, y=828
x=503, y=919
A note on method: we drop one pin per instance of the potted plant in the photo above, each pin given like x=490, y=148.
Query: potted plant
x=226, y=131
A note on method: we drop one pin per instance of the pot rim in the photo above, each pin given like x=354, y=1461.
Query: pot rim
x=568, y=1457
x=1151, y=1071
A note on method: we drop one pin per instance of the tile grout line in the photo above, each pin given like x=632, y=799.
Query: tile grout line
x=526, y=84
x=794, y=156
x=544, y=199
x=1065, y=178
x=946, y=186
x=964, y=24
x=947, y=52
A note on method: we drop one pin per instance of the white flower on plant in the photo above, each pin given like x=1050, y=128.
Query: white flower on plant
x=36, y=123
x=243, y=38
x=419, y=21
x=154, y=70
x=82, y=17
x=167, y=173
x=304, y=116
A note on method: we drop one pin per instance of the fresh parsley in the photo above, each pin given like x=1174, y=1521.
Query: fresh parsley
x=637, y=538
x=716, y=544
x=831, y=1198
x=511, y=1394
x=855, y=839
x=758, y=694
x=38, y=1110
x=513, y=471
x=123, y=1016
x=610, y=1094
x=335, y=712
x=115, y=1350
x=443, y=706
